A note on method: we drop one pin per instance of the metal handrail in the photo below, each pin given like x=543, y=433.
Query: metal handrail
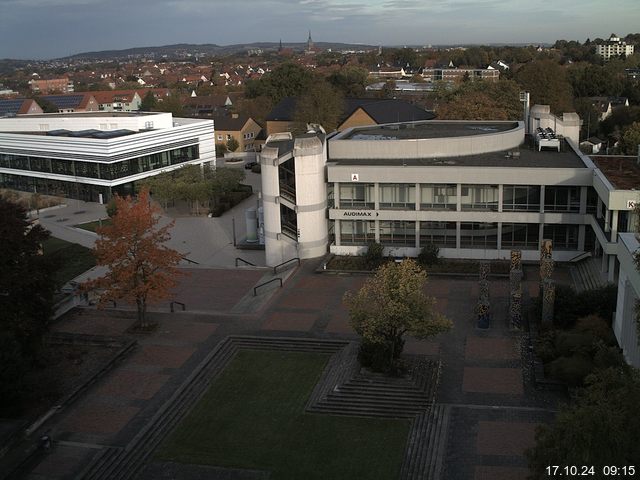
x=580, y=256
x=255, y=289
x=243, y=260
x=177, y=303
x=284, y=263
x=190, y=261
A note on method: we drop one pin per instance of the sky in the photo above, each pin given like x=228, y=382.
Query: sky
x=43, y=29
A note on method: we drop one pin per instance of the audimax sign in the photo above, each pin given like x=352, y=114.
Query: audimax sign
x=359, y=213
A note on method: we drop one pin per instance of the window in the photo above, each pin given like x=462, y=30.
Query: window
x=521, y=198
x=564, y=237
x=520, y=235
x=478, y=235
x=357, y=232
x=480, y=197
x=398, y=233
x=438, y=197
x=562, y=199
x=592, y=200
x=398, y=196
x=356, y=195
x=441, y=234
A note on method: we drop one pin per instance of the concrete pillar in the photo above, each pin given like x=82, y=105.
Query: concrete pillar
x=458, y=200
x=541, y=202
x=581, y=237
x=417, y=195
x=336, y=232
x=336, y=194
x=614, y=225
x=604, y=264
x=607, y=220
x=599, y=208
x=376, y=196
x=500, y=230
x=274, y=251
x=583, y=200
x=377, y=232
x=417, y=226
x=612, y=268
x=458, y=228
x=540, y=235
x=500, y=198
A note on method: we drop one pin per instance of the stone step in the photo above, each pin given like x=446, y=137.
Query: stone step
x=368, y=400
x=360, y=411
x=349, y=389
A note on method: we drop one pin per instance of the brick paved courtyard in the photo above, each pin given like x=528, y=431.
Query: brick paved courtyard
x=494, y=409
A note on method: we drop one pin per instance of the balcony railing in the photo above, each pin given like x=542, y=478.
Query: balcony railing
x=290, y=230
x=288, y=192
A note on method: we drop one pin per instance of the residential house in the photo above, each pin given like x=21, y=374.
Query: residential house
x=458, y=74
x=605, y=105
x=18, y=106
x=357, y=112
x=207, y=106
x=52, y=85
x=73, y=102
x=241, y=127
x=117, y=100
x=591, y=145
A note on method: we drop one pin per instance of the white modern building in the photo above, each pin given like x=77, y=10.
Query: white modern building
x=624, y=323
x=614, y=47
x=92, y=155
x=475, y=189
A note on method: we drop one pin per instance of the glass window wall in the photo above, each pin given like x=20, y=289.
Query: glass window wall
x=357, y=232
x=479, y=197
x=564, y=237
x=398, y=196
x=520, y=235
x=441, y=234
x=398, y=233
x=478, y=235
x=438, y=197
x=562, y=199
x=357, y=195
x=521, y=198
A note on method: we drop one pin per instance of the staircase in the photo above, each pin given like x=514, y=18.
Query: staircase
x=586, y=274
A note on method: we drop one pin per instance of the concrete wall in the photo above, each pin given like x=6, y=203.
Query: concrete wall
x=567, y=126
x=83, y=121
x=274, y=245
x=310, y=156
x=624, y=324
x=429, y=147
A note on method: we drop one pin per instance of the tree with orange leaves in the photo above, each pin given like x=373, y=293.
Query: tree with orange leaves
x=140, y=267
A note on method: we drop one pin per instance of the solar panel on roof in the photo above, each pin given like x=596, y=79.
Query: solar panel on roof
x=10, y=106
x=64, y=101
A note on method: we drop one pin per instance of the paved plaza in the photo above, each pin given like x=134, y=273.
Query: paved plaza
x=494, y=408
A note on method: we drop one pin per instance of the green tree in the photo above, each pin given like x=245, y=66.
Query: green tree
x=149, y=103
x=388, y=89
x=232, y=144
x=286, y=80
x=320, y=104
x=391, y=304
x=631, y=139
x=26, y=278
x=481, y=100
x=548, y=84
x=350, y=80
x=172, y=104
x=599, y=429
x=46, y=105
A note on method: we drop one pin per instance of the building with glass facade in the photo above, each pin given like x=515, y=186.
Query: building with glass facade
x=475, y=189
x=92, y=155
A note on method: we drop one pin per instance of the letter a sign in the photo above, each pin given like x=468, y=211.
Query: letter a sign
x=355, y=177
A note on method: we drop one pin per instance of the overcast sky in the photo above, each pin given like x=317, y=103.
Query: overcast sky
x=55, y=28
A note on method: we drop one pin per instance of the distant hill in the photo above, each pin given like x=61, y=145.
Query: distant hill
x=186, y=49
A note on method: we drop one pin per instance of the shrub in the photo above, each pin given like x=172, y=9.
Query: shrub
x=568, y=343
x=596, y=326
x=429, y=255
x=374, y=257
x=545, y=346
x=608, y=356
x=569, y=306
x=112, y=208
x=571, y=370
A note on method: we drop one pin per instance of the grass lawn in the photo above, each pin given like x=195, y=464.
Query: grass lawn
x=92, y=226
x=253, y=417
x=71, y=259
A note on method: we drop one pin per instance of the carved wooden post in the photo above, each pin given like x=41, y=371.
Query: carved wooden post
x=548, y=300
x=515, y=289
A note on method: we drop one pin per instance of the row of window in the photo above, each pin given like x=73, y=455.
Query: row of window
x=523, y=236
x=472, y=197
x=105, y=171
